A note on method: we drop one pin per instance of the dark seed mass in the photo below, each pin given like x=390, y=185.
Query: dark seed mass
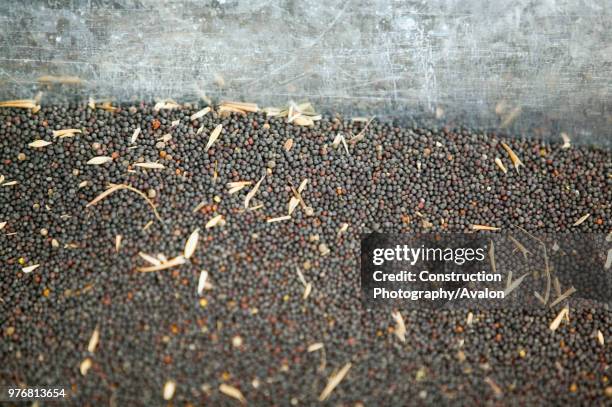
x=251, y=328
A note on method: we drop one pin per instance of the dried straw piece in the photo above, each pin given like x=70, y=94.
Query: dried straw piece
x=492, y=257
x=30, y=269
x=501, y=165
x=519, y=246
x=339, y=139
x=600, y=338
x=557, y=286
x=484, y=227
x=361, y=135
x=557, y=321
x=225, y=111
x=169, y=389
x=19, y=103
x=496, y=389
x=199, y=206
x=202, y=281
x=91, y=103
x=93, y=341
x=2, y=225
x=85, y=366
x=66, y=132
x=343, y=228
x=100, y=160
x=567, y=143
x=298, y=195
x=303, y=121
x=301, y=276
x=333, y=381
x=307, y=286
x=293, y=203
x=252, y=192
x=66, y=80
x=118, y=240
x=582, y=219
x=192, y=243
x=200, y=113
x=544, y=299
x=247, y=107
x=39, y=143
x=150, y=166
x=315, y=347
x=288, y=144
x=150, y=259
x=117, y=187
x=607, y=264
x=108, y=107
x=214, y=221
x=166, y=104
x=165, y=138
x=278, y=219
x=563, y=296
x=400, y=327
x=237, y=186
x=307, y=290
x=308, y=109
x=272, y=111
x=177, y=261
x=513, y=157
x=512, y=285
x=233, y=392
x=302, y=185
x=214, y=135
x=135, y=135
x=470, y=318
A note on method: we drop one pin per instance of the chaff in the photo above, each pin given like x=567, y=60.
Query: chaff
x=484, y=227
x=200, y=113
x=557, y=321
x=252, y=192
x=333, y=381
x=233, y=392
x=516, y=161
x=177, y=261
x=117, y=187
x=214, y=135
x=400, y=328
x=66, y=132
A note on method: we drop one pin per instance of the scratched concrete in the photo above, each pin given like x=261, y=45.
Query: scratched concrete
x=534, y=66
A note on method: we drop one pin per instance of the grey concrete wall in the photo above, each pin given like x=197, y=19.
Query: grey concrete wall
x=538, y=66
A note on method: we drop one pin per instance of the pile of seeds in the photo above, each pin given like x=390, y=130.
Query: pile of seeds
x=210, y=256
